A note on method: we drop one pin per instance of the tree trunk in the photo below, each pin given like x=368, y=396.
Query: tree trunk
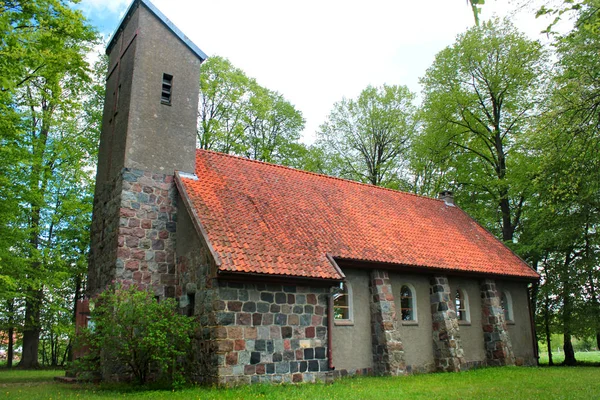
x=547, y=326
x=77, y=297
x=567, y=311
x=569, y=352
x=10, y=354
x=31, y=331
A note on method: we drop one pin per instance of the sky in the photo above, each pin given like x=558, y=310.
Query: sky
x=316, y=52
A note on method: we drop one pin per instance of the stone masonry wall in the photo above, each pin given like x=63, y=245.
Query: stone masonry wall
x=270, y=333
x=133, y=233
x=104, y=233
x=388, y=352
x=197, y=294
x=147, y=225
x=448, y=352
x=498, y=347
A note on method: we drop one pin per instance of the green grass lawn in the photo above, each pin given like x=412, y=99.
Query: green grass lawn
x=584, y=357
x=490, y=383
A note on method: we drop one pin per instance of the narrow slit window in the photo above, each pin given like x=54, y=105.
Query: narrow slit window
x=167, y=89
x=192, y=304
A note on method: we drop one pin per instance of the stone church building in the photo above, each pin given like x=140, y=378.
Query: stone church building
x=293, y=276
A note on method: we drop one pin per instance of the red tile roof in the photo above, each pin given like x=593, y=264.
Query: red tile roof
x=267, y=219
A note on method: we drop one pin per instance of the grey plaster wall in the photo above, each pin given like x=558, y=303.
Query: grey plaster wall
x=416, y=336
x=162, y=138
x=138, y=131
x=471, y=333
x=351, y=344
x=520, y=330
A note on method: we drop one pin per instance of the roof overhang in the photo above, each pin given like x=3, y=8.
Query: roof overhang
x=419, y=269
x=170, y=25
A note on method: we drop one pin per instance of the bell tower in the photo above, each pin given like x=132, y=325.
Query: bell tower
x=148, y=133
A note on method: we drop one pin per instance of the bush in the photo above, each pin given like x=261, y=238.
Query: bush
x=131, y=333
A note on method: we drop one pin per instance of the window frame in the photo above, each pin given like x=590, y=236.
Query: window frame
x=509, y=315
x=466, y=311
x=413, y=305
x=348, y=293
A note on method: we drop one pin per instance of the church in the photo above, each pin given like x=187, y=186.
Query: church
x=293, y=276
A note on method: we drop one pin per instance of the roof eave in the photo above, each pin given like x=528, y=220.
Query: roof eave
x=170, y=25
x=368, y=264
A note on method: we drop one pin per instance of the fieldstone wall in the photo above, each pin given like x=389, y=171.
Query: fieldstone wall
x=498, y=347
x=270, y=333
x=448, y=352
x=388, y=352
x=104, y=233
x=147, y=225
x=133, y=233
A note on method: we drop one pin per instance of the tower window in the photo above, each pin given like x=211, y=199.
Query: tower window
x=167, y=89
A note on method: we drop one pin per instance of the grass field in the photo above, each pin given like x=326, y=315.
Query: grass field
x=584, y=357
x=490, y=383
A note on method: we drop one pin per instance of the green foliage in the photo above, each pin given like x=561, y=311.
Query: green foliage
x=48, y=141
x=238, y=116
x=133, y=333
x=567, y=218
x=367, y=139
x=480, y=98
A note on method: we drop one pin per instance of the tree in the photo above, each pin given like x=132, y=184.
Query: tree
x=224, y=92
x=569, y=179
x=44, y=73
x=238, y=116
x=481, y=95
x=367, y=139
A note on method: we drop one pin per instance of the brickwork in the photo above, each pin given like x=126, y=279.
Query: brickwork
x=498, y=347
x=270, y=333
x=448, y=352
x=388, y=352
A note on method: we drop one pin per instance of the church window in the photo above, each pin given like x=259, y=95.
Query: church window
x=507, y=307
x=342, y=304
x=408, y=303
x=462, y=306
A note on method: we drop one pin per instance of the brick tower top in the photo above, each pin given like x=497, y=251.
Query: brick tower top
x=150, y=109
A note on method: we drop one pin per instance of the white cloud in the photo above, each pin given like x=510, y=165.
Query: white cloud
x=102, y=6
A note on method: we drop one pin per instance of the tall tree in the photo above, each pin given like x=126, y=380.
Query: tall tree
x=480, y=97
x=367, y=139
x=236, y=115
x=569, y=174
x=43, y=73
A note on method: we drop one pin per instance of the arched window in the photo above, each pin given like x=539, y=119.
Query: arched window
x=408, y=303
x=462, y=306
x=342, y=304
x=507, y=307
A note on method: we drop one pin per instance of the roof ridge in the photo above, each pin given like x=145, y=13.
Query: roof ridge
x=318, y=174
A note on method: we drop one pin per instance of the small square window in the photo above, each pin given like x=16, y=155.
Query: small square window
x=167, y=89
